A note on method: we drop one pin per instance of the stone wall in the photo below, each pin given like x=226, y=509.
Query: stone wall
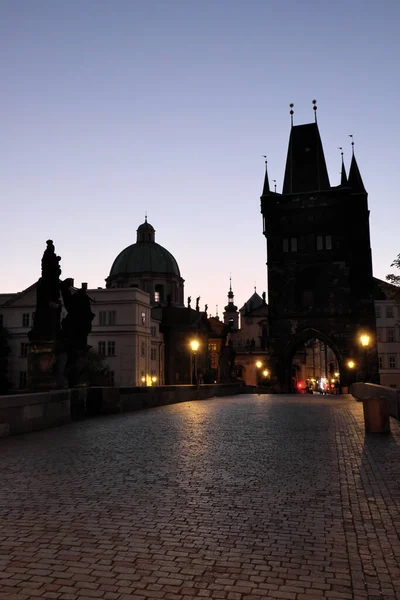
x=33, y=411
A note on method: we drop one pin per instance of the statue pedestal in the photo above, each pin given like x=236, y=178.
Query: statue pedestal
x=42, y=367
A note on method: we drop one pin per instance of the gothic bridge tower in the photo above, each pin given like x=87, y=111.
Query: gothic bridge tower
x=320, y=283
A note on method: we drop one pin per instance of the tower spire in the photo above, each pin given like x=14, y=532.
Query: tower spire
x=352, y=143
x=291, y=113
x=315, y=109
x=266, y=189
x=355, y=180
x=343, y=176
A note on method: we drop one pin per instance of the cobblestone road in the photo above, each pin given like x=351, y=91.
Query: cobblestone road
x=238, y=498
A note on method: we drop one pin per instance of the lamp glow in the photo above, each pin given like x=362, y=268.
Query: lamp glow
x=365, y=339
x=351, y=364
x=194, y=344
x=266, y=373
x=259, y=364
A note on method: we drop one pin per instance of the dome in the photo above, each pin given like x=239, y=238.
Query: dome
x=146, y=256
x=146, y=227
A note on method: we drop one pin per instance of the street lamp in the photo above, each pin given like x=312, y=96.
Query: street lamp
x=259, y=364
x=365, y=341
x=266, y=373
x=351, y=364
x=194, y=345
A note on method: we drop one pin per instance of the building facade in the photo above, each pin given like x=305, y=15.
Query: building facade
x=124, y=334
x=387, y=312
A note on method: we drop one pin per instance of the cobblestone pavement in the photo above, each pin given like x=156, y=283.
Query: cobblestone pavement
x=246, y=497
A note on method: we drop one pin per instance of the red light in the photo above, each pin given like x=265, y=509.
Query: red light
x=299, y=385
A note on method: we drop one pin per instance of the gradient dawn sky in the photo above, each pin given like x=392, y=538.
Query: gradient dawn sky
x=111, y=108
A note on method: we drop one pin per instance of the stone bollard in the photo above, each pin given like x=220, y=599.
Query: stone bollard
x=376, y=414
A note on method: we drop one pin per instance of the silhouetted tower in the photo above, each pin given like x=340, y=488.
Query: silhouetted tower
x=231, y=314
x=320, y=280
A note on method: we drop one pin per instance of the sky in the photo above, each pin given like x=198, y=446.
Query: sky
x=111, y=109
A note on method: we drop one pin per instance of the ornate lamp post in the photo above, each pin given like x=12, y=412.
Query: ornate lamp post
x=194, y=345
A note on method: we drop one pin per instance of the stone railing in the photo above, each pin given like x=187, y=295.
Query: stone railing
x=33, y=411
x=365, y=391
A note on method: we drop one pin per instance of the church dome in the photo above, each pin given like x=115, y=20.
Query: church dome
x=146, y=256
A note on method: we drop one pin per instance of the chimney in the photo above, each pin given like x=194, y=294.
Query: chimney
x=84, y=285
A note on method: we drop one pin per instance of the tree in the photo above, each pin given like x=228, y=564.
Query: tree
x=392, y=278
x=4, y=352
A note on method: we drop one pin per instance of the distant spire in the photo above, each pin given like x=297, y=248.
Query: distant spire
x=216, y=311
x=230, y=293
x=291, y=113
x=315, y=109
x=266, y=189
x=274, y=182
x=145, y=217
x=343, y=177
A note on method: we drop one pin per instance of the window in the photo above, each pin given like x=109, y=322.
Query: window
x=24, y=349
x=153, y=353
x=112, y=377
x=379, y=335
x=212, y=347
x=110, y=348
x=25, y=319
x=142, y=349
x=289, y=244
x=377, y=311
x=107, y=317
x=153, y=331
x=392, y=362
x=102, y=348
x=380, y=361
x=390, y=334
x=22, y=380
x=389, y=312
x=324, y=242
x=159, y=293
x=143, y=318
